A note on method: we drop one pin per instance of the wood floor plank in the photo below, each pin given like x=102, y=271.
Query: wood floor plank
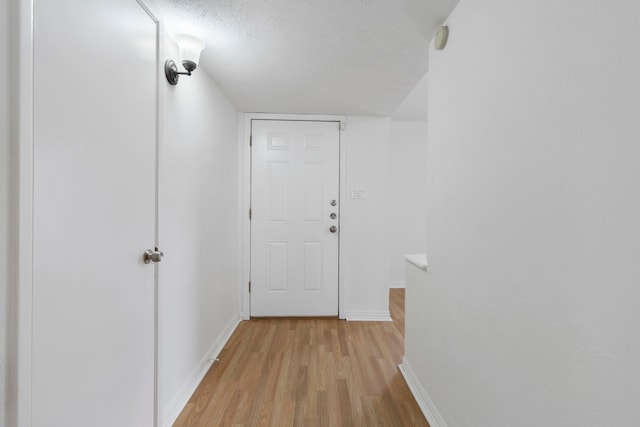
x=308, y=372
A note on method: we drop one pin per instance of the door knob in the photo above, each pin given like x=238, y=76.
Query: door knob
x=152, y=256
x=333, y=229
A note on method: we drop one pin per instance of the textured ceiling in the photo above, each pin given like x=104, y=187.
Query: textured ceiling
x=312, y=56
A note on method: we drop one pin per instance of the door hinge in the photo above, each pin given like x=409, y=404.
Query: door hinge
x=249, y=214
x=250, y=140
x=249, y=286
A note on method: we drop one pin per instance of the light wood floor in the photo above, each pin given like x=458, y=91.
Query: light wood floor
x=308, y=372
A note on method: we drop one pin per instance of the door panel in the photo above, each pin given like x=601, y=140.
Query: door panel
x=278, y=266
x=95, y=68
x=312, y=266
x=277, y=192
x=294, y=255
x=313, y=175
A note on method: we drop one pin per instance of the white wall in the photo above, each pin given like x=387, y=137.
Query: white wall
x=414, y=108
x=4, y=196
x=363, y=235
x=532, y=294
x=198, y=232
x=407, y=201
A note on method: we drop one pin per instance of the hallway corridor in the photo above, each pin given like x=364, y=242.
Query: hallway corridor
x=308, y=372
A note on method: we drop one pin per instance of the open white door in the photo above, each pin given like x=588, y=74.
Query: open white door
x=95, y=98
x=294, y=218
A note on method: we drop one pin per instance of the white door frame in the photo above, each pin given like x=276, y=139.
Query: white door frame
x=21, y=217
x=21, y=192
x=244, y=202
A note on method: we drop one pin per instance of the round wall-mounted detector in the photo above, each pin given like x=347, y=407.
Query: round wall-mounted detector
x=442, y=35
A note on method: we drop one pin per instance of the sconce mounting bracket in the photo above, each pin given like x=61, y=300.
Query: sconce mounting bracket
x=171, y=71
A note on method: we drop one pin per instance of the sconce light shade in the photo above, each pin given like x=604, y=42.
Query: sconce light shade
x=190, y=48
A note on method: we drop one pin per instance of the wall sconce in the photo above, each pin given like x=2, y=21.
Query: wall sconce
x=190, y=48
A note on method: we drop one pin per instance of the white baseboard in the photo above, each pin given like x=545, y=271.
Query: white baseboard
x=420, y=394
x=368, y=316
x=397, y=284
x=179, y=401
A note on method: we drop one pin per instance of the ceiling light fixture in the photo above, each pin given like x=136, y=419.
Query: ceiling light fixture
x=190, y=48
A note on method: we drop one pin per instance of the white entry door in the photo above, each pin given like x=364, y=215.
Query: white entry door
x=294, y=218
x=95, y=85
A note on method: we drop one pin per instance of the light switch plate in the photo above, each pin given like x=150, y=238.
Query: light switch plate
x=358, y=193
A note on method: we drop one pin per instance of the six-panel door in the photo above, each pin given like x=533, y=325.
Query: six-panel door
x=294, y=203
